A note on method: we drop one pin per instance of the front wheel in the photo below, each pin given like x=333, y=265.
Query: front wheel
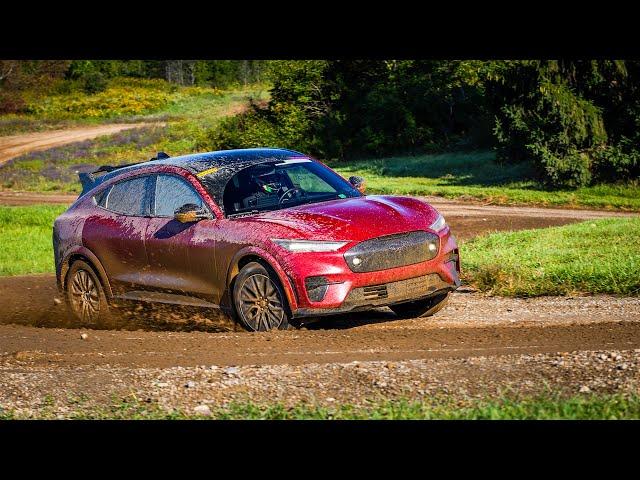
x=259, y=300
x=421, y=308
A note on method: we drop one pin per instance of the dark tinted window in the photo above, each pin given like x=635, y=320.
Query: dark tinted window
x=129, y=197
x=173, y=192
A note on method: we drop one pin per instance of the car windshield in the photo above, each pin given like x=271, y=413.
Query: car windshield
x=277, y=185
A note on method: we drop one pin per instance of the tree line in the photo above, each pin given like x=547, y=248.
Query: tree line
x=17, y=76
x=575, y=121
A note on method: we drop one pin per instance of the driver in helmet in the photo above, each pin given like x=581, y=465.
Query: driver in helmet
x=267, y=185
x=268, y=181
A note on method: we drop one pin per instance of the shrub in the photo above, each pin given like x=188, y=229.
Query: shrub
x=573, y=169
x=143, y=83
x=256, y=128
x=548, y=124
x=615, y=162
x=94, y=82
x=11, y=102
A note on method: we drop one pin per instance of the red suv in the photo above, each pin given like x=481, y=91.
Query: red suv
x=266, y=235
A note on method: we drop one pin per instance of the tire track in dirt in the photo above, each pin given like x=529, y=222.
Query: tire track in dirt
x=64, y=347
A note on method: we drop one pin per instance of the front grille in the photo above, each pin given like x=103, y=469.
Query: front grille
x=392, y=251
x=376, y=291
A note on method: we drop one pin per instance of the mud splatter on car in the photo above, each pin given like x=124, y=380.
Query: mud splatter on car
x=267, y=236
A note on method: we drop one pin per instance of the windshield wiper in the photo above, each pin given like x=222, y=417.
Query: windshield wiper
x=319, y=199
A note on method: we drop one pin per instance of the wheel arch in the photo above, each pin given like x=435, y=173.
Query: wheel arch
x=254, y=254
x=84, y=254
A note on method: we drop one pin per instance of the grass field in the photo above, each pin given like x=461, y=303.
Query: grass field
x=26, y=239
x=476, y=175
x=601, y=256
x=592, y=407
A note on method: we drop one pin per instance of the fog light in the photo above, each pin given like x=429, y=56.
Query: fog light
x=356, y=260
x=432, y=247
x=316, y=288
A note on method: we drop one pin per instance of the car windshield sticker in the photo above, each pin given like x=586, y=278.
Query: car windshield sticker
x=208, y=171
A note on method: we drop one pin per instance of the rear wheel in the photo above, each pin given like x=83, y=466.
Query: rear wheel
x=85, y=296
x=421, y=308
x=259, y=300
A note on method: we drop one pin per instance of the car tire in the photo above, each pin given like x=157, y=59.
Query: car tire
x=258, y=299
x=85, y=296
x=421, y=308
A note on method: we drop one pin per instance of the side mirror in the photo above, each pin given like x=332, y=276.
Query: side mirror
x=190, y=212
x=358, y=183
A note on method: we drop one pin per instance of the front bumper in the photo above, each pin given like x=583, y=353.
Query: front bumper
x=351, y=291
x=365, y=298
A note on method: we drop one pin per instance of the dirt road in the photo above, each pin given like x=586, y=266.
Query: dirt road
x=479, y=347
x=473, y=325
x=15, y=145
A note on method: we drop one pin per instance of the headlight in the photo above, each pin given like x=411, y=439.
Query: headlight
x=439, y=224
x=308, y=245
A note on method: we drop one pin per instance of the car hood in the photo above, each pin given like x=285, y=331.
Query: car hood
x=353, y=219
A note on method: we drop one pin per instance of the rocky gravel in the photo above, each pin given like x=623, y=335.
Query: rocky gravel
x=68, y=391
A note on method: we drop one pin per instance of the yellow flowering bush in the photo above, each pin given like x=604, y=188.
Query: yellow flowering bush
x=114, y=101
x=123, y=97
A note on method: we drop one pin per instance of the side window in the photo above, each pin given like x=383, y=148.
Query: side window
x=173, y=192
x=129, y=197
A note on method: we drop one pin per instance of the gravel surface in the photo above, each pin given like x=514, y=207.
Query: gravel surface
x=64, y=392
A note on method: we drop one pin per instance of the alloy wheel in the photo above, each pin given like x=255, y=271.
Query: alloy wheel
x=85, y=297
x=260, y=303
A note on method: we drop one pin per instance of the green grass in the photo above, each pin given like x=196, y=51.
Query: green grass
x=26, y=239
x=476, y=175
x=600, y=256
x=592, y=407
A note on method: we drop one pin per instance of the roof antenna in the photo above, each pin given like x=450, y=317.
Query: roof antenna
x=160, y=156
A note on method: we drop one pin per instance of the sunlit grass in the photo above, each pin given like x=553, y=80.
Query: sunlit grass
x=542, y=407
x=26, y=239
x=599, y=256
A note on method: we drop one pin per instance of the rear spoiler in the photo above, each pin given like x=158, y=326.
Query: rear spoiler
x=90, y=180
